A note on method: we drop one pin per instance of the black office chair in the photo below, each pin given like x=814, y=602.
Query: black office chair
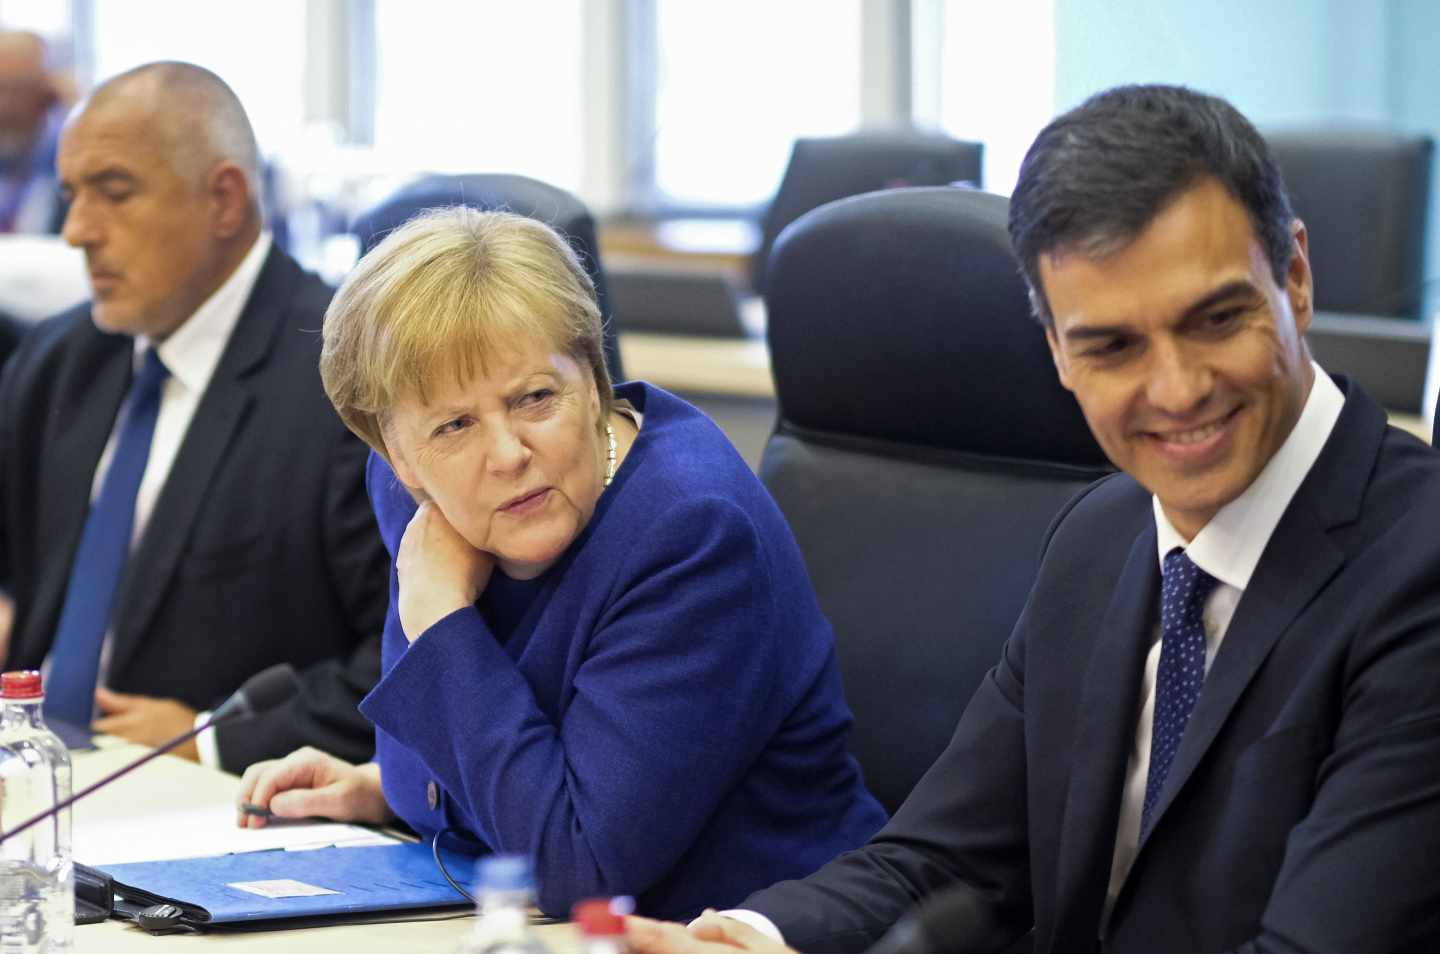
x=823, y=170
x=923, y=447
x=523, y=196
x=1364, y=195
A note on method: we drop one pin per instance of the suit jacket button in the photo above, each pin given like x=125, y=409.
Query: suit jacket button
x=432, y=795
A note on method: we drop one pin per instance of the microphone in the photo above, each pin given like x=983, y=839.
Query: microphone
x=262, y=691
x=950, y=921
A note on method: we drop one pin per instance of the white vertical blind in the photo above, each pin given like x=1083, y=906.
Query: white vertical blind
x=737, y=82
x=260, y=53
x=481, y=87
x=995, y=80
x=49, y=18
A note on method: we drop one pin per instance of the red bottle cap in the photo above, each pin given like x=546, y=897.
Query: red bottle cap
x=595, y=916
x=21, y=685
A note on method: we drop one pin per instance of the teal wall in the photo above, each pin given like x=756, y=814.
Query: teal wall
x=1274, y=59
x=1278, y=61
x=1414, y=55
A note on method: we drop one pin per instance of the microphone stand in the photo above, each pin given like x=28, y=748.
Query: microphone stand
x=217, y=719
x=261, y=692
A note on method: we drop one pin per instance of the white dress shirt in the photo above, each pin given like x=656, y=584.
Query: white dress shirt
x=1229, y=548
x=191, y=354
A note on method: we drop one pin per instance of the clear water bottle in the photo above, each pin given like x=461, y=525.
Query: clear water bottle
x=504, y=894
x=37, y=877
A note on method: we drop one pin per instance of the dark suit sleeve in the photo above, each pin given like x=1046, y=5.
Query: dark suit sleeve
x=965, y=822
x=1360, y=871
x=325, y=714
x=11, y=331
x=11, y=407
x=8, y=405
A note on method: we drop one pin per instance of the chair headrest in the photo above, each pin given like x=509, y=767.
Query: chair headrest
x=918, y=156
x=519, y=194
x=1345, y=174
x=824, y=169
x=901, y=316
x=1350, y=141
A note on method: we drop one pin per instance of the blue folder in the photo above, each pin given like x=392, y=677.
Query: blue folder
x=363, y=880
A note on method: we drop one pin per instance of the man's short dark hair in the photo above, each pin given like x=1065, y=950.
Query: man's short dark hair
x=1098, y=175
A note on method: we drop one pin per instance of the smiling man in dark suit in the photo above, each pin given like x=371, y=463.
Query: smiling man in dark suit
x=1216, y=726
x=179, y=505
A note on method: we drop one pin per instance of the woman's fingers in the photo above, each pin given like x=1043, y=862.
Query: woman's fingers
x=327, y=802
x=302, y=769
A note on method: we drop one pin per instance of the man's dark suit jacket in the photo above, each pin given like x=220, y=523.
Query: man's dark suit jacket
x=1302, y=812
x=11, y=331
x=261, y=547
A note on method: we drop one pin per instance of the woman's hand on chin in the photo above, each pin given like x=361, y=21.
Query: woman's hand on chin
x=439, y=571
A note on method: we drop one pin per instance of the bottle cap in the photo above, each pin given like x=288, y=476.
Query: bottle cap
x=596, y=916
x=21, y=685
x=504, y=873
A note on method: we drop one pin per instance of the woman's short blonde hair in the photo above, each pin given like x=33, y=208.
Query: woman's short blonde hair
x=440, y=296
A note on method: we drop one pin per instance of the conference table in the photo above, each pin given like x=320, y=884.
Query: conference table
x=173, y=786
x=686, y=364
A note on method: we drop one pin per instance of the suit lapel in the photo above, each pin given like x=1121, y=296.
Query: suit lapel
x=221, y=414
x=1101, y=747
x=83, y=416
x=1300, y=559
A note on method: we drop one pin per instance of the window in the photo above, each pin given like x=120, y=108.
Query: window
x=986, y=71
x=480, y=87
x=736, y=84
x=259, y=52
x=49, y=18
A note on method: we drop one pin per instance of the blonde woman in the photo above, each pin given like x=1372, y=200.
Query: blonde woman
x=602, y=650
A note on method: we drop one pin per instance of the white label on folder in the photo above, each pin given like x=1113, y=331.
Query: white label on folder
x=281, y=888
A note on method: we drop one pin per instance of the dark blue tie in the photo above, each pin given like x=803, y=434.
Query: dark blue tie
x=1183, y=590
x=100, y=558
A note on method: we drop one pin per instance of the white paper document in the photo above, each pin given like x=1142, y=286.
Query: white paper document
x=201, y=832
x=281, y=888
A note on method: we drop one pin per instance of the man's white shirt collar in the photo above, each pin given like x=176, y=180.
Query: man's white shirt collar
x=193, y=351
x=1230, y=545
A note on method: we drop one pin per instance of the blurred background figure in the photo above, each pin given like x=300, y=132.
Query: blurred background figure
x=33, y=99
x=38, y=274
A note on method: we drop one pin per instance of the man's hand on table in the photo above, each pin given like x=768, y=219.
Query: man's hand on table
x=7, y=619
x=146, y=720
x=711, y=933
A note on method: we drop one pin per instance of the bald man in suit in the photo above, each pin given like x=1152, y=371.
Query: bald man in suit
x=247, y=535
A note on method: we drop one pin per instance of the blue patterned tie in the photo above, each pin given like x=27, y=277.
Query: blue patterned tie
x=1183, y=590
x=100, y=558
